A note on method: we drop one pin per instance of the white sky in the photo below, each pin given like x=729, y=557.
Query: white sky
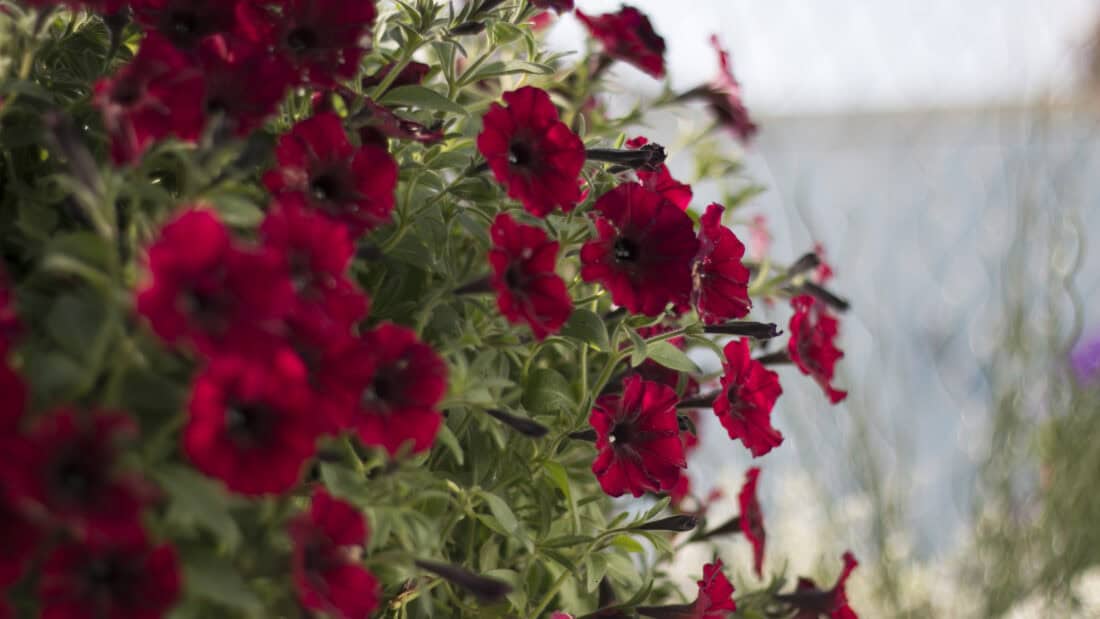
x=799, y=56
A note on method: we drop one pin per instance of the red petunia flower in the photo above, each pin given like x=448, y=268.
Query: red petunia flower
x=413, y=73
x=391, y=383
x=751, y=519
x=10, y=325
x=560, y=6
x=628, y=36
x=323, y=39
x=327, y=540
x=185, y=22
x=205, y=290
x=811, y=346
x=638, y=439
x=813, y=603
x=723, y=97
x=528, y=288
x=661, y=179
x=744, y=406
x=353, y=185
x=66, y=469
x=316, y=251
x=159, y=94
x=721, y=282
x=252, y=423
x=531, y=152
x=644, y=250
x=243, y=82
x=18, y=539
x=13, y=401
x=715, y=599
x=131, y=580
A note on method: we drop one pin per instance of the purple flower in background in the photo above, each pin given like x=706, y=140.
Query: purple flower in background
x=1085, y=360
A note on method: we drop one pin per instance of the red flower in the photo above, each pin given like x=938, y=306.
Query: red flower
x=752, y=519
x=185, y=22
x=528, y=288
x=66, y=469
x=813, y=603
x=316, y=251
x=243, y=83
x=638, y=439
x=661, y=180
x=321, y=38
x=157, y=95
x=644, y=251
x=560, y=6
x=352, y=185
x=18, y=540
x=392, y=383
x=205, y=290
x=723, y=97
x=13, y=401
x=824, y=271
x=744, y=406
x=531, y=152
x=251, y=423
x=327, y=540
x=628, y=36
x=10, y=325
x=715, y=599
x=721, y=281
x=130, y=580
x=377, y=123
x=412, y=74
x=811, y=345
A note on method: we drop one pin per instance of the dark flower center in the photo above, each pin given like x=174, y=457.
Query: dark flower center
x=737, y=405
x=320, y=555
x=183, y=24
x=301, y=39
x=325, y=187
x=626, y=250
x=75, y=478
x=208, y=308
x=520, y=154
x=514, y=277
x=248, y=424
x=111, y=577
x=622, y=434
x=126, y=93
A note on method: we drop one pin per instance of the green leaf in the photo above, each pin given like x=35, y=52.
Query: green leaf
x=75, y=323
x=586, y=326
x=214, y=579
x=638, y=352
x=345, y=483
x=448, y=439
x=595, y=566
x=627, y=543
x=566, y=541
x=501, y=512
x=518, y=596
x=423, y=98
x=671, y=357
x=199, y=501
x=547, y=391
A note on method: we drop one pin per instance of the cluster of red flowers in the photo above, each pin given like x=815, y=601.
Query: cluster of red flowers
x=224, y=61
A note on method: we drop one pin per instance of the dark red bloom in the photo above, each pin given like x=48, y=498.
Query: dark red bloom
x=159, y=94
x=205, y=290
x=377, y=123
x=528, y=288
x=316, y=251
x=661, y=179
x=185, y=22
x=638, y=439
x=352, y=185
x=391, y=383
x=715, y=600
x=323, y=39
x=412, y=74
x=560, y=6
x=252, y=423
x=18, y=540
x=10, y=325
x=644, y=250
x=811, y=346
x=824, y=271
x=243, y=82
x=67, y=470
x=751, y=519
x=723, y=97
x=813, y=603
x=628, y=36
x=13, y=401
x=327, y=540
x=744, y=406
x=720, y=289
x=531, y=152
x=130, y=580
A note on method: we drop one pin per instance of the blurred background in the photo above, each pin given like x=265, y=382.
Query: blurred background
x=945, y=154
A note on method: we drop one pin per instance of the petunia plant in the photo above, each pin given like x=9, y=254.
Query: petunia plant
x=347, y=309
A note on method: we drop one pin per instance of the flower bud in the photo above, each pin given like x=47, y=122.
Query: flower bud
x=672, y=523
x=524, y=426
x=482, y=587
x=755, y=330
